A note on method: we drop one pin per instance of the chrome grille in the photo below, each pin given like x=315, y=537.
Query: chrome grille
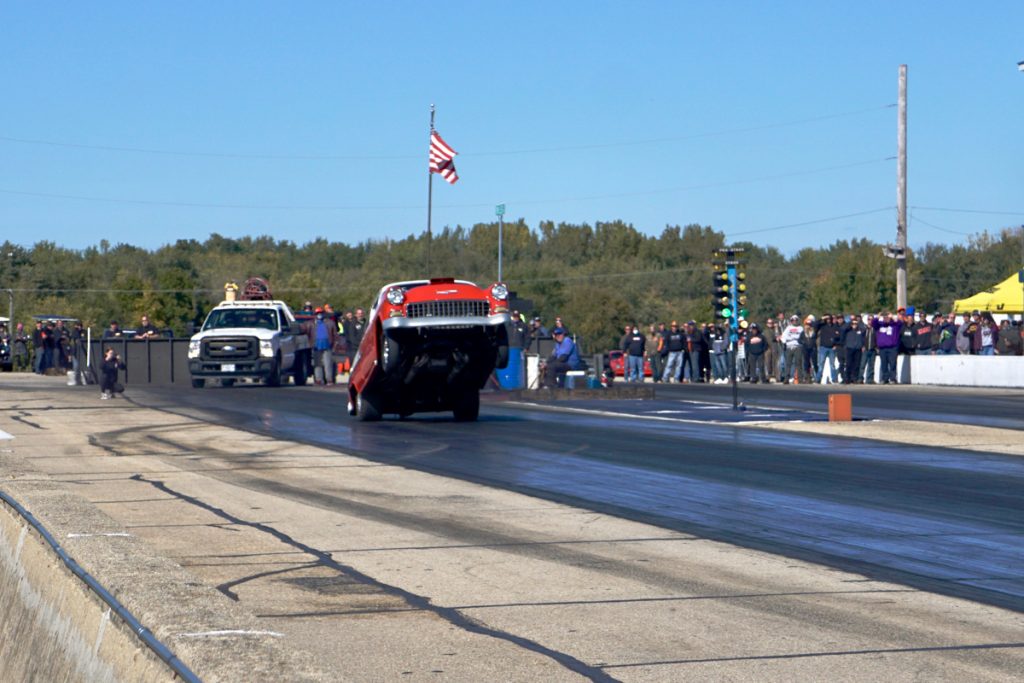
x=231, y=348
x=453, y=308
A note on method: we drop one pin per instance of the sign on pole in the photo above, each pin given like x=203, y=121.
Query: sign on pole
x=499, y=210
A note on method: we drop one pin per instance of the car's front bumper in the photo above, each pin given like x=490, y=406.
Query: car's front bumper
x=447, y=322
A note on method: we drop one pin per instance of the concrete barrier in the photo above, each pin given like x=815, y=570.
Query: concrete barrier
x=54, y=628
x=968, y=371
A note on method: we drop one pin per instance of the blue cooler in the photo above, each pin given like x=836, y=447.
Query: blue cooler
x=514, y=375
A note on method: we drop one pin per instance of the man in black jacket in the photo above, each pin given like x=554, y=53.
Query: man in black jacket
x=827, y=333
x=854, y=338
x=633, y=346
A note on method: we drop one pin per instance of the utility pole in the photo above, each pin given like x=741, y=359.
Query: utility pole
x=500, y=210
x=901, y=194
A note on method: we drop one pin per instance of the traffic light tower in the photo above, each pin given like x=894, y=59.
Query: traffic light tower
x=730, y=302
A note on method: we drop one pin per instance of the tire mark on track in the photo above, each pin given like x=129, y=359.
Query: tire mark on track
x=451, y=615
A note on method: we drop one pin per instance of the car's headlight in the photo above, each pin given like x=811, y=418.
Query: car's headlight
x=193, y=349
x=396, y=297
x=499, y=292
x=266, y=348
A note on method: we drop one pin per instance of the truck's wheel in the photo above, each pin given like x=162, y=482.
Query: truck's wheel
x=227, y=382
x=467, y=406
x=301, y=370
x=274, y=378
x=198, y=383
x=366, y=408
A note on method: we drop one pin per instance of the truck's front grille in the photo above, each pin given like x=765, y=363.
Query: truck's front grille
x=455, y=308
x=231, y=348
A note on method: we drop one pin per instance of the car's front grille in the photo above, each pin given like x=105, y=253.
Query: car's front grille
x=455, y=308
x=231, y=348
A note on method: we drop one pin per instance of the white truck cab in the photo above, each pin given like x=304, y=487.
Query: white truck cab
x=251, y=340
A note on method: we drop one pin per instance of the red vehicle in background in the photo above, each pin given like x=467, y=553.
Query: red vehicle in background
x=429, y=345
x=617, y=363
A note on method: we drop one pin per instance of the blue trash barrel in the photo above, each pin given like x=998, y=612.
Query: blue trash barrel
x=514, y=374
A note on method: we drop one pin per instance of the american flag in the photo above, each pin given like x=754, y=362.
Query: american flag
x=441, y=156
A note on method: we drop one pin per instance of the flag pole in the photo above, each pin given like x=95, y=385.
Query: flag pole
x=430, y=191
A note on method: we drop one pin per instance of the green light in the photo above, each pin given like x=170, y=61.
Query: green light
x=726, y=312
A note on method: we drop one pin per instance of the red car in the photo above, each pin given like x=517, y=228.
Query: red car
x=617, y=363
x=429, y=345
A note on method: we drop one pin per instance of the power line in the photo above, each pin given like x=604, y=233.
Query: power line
x=814, y=222
x=400, y=207
x=991, y=213
x=916, y=219
x=350, y=157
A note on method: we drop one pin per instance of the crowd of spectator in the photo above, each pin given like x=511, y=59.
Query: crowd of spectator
x=802, y=349
x=51, y=347
x=334, y=337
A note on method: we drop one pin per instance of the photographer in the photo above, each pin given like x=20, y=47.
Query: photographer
x=108, y=372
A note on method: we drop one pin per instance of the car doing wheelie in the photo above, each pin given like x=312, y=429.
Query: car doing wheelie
x=429, y=345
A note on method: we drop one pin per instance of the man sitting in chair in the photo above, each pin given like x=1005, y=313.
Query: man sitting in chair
x=564, y=357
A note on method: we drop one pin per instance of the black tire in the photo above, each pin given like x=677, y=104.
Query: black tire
x=198, y=383
x=467, y=406
x=227, y=382
x=388, y=354
x=301, y=370
x=274, y=378
x=367, y=409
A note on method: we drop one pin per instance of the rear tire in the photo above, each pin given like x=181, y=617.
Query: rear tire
x=367, y=409
x=467, y=406
x=198, y=383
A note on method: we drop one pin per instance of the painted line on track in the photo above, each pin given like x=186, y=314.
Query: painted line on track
x=660, y=418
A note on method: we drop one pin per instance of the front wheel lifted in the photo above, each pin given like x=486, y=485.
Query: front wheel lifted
x=367, y=409
x=467, y=406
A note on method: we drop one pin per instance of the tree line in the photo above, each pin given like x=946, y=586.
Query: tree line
x=597, y=277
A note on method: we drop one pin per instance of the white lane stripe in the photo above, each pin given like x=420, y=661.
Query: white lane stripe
x=5, y=435
x=215, y=634
x=118, y=534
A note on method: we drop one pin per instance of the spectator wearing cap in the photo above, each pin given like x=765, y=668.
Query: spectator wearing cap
x=520, y=338
x=307, y=308
x=675, y=344
x=922, y=334
x=854, y=337
x=771, y=351
x=827, y=331
x=323, y=335
x=756, y=347
x=945, y=337
x=564, y=357
x=908, y=338
x=633, y=347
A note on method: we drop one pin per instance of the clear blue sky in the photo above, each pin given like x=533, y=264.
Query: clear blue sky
x=744, y=116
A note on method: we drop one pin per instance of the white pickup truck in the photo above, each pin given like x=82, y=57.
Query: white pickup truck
x=252, y=340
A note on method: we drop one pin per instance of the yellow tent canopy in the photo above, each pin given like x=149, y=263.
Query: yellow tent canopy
x=1006, y=297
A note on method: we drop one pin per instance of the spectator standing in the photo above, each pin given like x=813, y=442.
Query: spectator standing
x=19, y=349
x=1010, y=342
x=887, y=336
x=908, y=338
x=793, y=360
x=674, y=344
x=654, y=351
x=719, y=355
x=965, y=333
x=987, y=335
x=694, y=347
x=146, y=330
x=520, y=333
x=39, y=348
x=756, y=347
x=809, y=342
x=771, y=340
x=854, y=339
x=323, y=336
x=635, y=343
x=827, y=334
x=867, y=370
x=947, y=335
x=923, y=335
x=355, y=329
x=61, y=346
x=114, y=331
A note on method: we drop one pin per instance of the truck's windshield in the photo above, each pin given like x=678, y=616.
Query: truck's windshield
x=241, y=317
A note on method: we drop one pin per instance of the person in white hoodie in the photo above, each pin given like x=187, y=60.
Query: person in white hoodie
x=791, y=344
